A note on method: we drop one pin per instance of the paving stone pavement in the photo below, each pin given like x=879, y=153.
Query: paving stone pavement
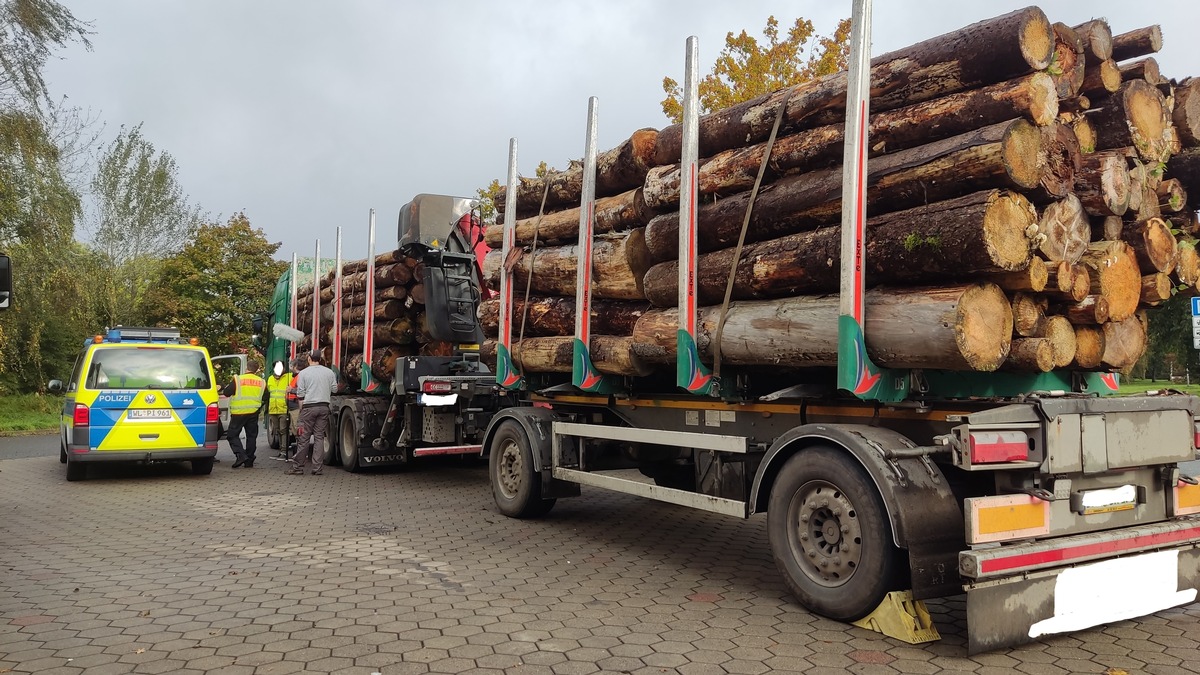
x=152, y=570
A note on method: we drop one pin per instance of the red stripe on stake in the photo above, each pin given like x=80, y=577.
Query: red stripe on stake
x=1071, y=553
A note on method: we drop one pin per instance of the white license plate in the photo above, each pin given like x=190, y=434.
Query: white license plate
x=150, y=414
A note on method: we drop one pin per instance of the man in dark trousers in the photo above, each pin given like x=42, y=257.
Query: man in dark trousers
x=314, y=385
x=249, y=393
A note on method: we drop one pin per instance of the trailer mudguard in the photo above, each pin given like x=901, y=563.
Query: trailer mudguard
x=925, y=516
x=538, y=425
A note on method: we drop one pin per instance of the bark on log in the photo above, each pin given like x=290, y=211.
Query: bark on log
x=1135, y=43
x=1153, y=244
x=953, y=328
x=1000, y=156
x=1093, y=309
x=1064, y=230
x=619, y=261
x=397, y=331
x=385, y=310
x=1060, y=158
x=1070, y=109
x=1172, y=197
x=1060, y=277
x=1186, y=114
x=1102, y=183
x=610, y=355
x=1101, y=80
x=1032, y=279
x=1138, y=177
x=359, y=299
x=612, y=214
x=1124, y=343
x=1061, y=334
x=1034, y=354
x=983, y=232
x=1156, y=288
x=1027, y=315
x=983, y=53
x=1186, y=222
x=1089, y=347
x=383, y=363
x=1115, y=275
x=1143, y=69
x=546, y=316
x=1096, y=37
x=617, y=170
x=1109, y=227
x=1068, y=60
x=1135, y=115
x=381, y=260
x=1185, y=167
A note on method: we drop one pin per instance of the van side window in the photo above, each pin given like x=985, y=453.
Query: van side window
x=73, y=384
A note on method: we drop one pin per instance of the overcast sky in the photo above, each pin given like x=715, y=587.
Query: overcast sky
x=306, y=114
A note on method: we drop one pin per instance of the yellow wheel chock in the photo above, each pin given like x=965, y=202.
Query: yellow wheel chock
x=901, y=617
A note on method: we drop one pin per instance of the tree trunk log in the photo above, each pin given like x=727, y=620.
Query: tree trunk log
x=619, y=261
x=1060, y=279
x=1060, y=159
x=1069, y=61
x=1135, y=115
x=1064, y=231
x=1002, y=155
x=1138, y=176
x=617, y=170
x=983, y=232
x=951, y=328
x=1124, y=343
x=983, y=53
x=1089, y=347
x=610, y=355
x=1108, y=227
x=381, y=260
x=1156, y=288
x=1115, y=275
x=735, y=170
x=1027, y=315
x=1034, y=354
x=1135, y=43
x=1061, y=334
x=1093, y=309
x=397, y=331
x=360, y=298
x=613, y=214
x=551, y=315
x=1101, y=80
x=1153, y=244
x=1085, y=133
x=1142, y=69
x=1186, y=115
x=1032, y=279
x=1172, y=198
x=1096, y=37
x=1187, y=270
x=1102, y=183
x=1185, y=167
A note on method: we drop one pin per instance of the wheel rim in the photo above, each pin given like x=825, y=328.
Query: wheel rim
x=510, y=469
x=826, y=535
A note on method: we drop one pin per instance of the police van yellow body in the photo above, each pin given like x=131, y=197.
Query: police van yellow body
x=141, y=395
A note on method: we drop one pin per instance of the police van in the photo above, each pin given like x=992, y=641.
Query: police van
x=139, y=395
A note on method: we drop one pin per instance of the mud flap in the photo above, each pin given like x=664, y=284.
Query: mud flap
x=1015, y=610
x=902, y=618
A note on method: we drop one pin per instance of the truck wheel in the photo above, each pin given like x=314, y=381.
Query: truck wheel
x=829, y=535
x=202, y=466
x=330, y=449
x=62, y=450
x=516, y=487
x=348, y=443
x=76, y=471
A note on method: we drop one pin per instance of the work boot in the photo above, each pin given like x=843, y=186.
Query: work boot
x=240, y=461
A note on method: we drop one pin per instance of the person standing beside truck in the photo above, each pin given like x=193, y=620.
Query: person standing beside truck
x=314, y=386
x=249, y=392
x=277, y=409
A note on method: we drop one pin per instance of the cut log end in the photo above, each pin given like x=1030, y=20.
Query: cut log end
x=1008, y=246
x=984, y=326
x=1061, y=334
x=1022, y=152
x=1089, y=347
x=1036, y=37
x=1031, y=354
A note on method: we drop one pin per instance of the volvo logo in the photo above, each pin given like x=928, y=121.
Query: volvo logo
x=383, y=458
x=151, y=398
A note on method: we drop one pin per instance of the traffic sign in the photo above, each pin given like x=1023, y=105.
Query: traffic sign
x=1195, y=331
x=1196, y=305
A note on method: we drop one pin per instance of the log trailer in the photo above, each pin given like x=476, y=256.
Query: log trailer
x=434, y=405
x=1053, y=505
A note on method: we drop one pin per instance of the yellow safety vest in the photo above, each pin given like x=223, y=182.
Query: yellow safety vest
x=248, y=396
x=278, y=388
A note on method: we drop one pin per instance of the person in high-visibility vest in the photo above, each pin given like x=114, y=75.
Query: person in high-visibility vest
x=249, y=392
x=278, y=429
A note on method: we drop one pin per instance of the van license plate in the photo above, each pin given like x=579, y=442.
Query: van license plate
x=150, y=414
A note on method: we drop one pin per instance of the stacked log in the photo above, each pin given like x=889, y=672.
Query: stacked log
x=398, y=315
x=1019, y=217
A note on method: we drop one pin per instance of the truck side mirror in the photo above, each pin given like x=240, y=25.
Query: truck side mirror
x=256, y=326
x=5, y=282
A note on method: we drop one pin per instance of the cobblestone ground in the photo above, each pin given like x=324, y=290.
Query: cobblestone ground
x=152, y=570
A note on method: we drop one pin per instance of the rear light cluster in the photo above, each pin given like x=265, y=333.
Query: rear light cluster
x=213, y=414
x=991, y=447
x=436, y=387
x=1196, y=435
x=83, y=416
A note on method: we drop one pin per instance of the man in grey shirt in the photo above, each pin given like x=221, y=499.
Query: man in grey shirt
x=314, y=385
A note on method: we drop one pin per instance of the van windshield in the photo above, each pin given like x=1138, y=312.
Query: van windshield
x=148, y=368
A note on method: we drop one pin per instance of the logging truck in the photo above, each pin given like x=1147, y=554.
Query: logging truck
x=400, y=329
x=930, y=440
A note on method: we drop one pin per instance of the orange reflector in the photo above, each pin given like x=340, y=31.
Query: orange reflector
x=1185, y=499
x=1004, y=517
x=98, y=339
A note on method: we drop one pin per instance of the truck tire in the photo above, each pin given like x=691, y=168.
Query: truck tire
x=76, y=471
x=202, y=467
x=330, y=449
x=516, y=486
x=62, y=450
x=829, y=535
x=348, y=442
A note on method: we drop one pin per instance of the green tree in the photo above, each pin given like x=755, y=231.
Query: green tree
x=746, y=68
x=29, y=31
x=1169, y=335
x=213, y=287
x=487, y=195
x=141, y=216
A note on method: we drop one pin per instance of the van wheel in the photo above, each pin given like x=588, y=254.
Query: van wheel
x=202, y=467
x=76, y=471
x=829, y=535
x=348, y=442
x=516, y=487
x=62, y=451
